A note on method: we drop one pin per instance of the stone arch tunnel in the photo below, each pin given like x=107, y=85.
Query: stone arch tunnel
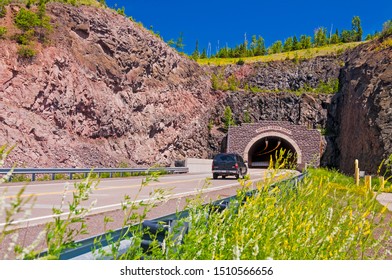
x=259, y=143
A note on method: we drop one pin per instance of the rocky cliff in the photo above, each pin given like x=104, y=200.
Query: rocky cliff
x=356, y=121
x=281, y=91
x=360, y=118
x=103, y=91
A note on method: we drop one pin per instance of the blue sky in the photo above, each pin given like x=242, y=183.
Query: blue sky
x=226, y=22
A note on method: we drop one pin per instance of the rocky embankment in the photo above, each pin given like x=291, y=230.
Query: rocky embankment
x=101, y=92
x=356, y=121
x=360, y=118
x=280, y=93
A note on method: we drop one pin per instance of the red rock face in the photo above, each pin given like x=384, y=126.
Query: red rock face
x=103, y=91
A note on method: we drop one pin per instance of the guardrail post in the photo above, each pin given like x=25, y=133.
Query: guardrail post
x=53, y=176
x=33, y=177
x=356, y=172
x=70, y=176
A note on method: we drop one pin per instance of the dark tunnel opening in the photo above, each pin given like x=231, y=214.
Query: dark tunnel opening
x=269, y=148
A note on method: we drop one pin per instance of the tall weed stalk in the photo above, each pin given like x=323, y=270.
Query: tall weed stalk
x=69, y=224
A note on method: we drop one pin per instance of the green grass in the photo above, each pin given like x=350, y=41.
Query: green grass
x=387, y=43
x=292, y=55
x=3, y=31
x=325, y=218
x=329, y=87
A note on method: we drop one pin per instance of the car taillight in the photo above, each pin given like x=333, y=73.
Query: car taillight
x=236, y=166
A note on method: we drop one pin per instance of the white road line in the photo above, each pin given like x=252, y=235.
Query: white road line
x=96, y=210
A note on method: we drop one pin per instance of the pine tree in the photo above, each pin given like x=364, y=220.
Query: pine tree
x=296, y=45
x=180, y=43
x=203, y=54
x=253, y=45
x=247, y=118
x=387, y=28
x=260, y=47
x=276, y=47
x=228, y=119
x=196, y=54
x=288, y=45
x=320, y=37
x=356, y=29
x=305, y=42
x=171, y=43
x=346, y=36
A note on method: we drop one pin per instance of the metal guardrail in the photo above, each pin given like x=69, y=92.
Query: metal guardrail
x=162, y=225
x=53, y=171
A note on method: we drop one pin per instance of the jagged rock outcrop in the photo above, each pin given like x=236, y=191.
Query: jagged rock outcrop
x=277, y=98
x=103, y=91
x=287, y=75
x=360, y=118
x=306, y=109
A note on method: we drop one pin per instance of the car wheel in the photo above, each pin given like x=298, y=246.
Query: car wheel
x=237, y=176
x=224, y=176
x=215, y=176
x=244, y=174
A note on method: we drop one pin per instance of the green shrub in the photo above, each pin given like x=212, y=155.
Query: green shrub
x=27, y=20
x=21, y=178
x=60, y=177
x=247, y=118
x=3, y=11
x=210, y=125
x=228, y=119
x=3, y=31
x=25, y=38
x=121, y=11
x=232, y=83
x=240, y=61
x=329, y=87
x=296, y=58
x=219, y=82
x=26, y=52
x=387, y=28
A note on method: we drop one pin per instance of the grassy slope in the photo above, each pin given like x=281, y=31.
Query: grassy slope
x=301, y=54
x=326, y=217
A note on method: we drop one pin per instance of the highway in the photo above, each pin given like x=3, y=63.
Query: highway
x=109, y=193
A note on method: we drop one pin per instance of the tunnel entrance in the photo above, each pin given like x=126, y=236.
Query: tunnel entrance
x=257, y=142
x=271, y=148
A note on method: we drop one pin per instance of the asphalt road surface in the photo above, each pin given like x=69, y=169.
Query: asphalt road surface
x=109, y=193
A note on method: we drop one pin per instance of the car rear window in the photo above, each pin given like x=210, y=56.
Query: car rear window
x=225, y=158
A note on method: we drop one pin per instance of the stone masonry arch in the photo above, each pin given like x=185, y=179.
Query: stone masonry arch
x=305, y=143
x=266, y=135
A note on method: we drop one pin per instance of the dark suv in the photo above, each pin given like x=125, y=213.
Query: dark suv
x=228, y=164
